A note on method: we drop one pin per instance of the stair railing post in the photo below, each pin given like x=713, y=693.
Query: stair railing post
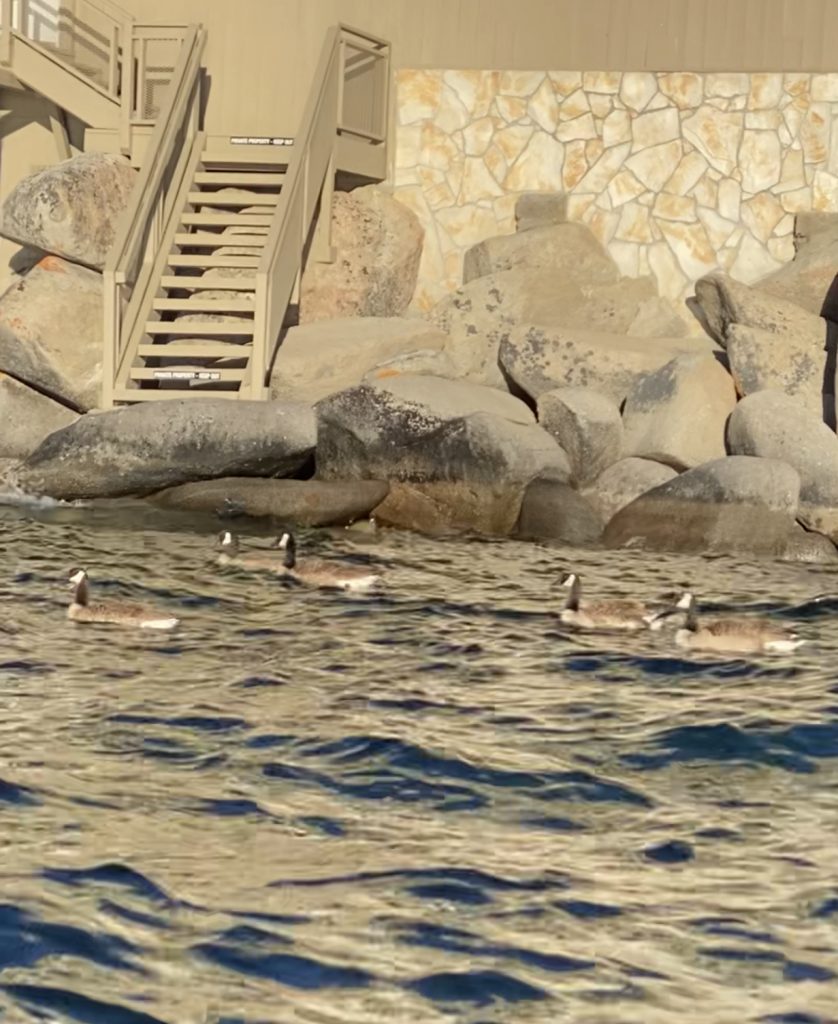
x=6, y=38
x=126, y=98
x=112, y=327
x=113, y=62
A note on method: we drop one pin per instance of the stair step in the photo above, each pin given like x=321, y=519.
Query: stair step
x=208, y=262
x=196, y=350
x=198, y=329
x=229, y=199
x=243, y=178
x=226, y=220
x=195, y=283
x=208, y=239
x=200, y=374
x=168, y=394
x=265, y=156
x=203, y=306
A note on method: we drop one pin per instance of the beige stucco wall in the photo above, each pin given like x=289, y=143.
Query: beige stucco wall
x=677, y=174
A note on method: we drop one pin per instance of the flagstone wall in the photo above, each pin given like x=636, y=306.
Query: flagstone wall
x=677, y=174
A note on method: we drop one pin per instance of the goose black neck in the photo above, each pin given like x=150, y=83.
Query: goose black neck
x=691, y=618
x=290, y=559
x=572, y=603
x=81, y=593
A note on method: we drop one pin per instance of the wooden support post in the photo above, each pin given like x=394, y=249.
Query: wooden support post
x=322, y=250
x=58, y=124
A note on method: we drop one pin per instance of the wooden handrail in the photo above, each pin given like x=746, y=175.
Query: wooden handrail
x=310, y=163
x=126, y=276
x=131, y=228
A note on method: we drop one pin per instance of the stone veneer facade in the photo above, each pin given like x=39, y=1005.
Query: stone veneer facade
x=677, y=174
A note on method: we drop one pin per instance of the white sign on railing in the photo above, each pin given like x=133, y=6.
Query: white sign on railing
x=261, y=140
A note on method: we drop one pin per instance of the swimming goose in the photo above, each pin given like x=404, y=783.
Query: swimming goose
x=602, y=615
x=734, y=634
x=117, y=612
x=266, y=560
x=320, y=573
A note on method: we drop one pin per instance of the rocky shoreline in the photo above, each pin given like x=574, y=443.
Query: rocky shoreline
x=549, y=398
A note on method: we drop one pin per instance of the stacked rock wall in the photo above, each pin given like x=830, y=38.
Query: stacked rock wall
x=677, y=174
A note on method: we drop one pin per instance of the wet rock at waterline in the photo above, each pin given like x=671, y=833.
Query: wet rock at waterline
x=378, y=245
x=805, y=546
x=567, y=250
x=737, y=505
x=551, y=510
x=304, y=502
x=677, y=414
x=430, y=431
x=773, y=425
x=321, y=358
x=587, y=426
x=70, y=209
x=446, y=507
x=621, y=483
x=27, y=417
x=142, y=448
x=51, y=324
x=539, y=359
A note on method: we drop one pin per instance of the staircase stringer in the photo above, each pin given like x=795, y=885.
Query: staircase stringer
x=148, y=287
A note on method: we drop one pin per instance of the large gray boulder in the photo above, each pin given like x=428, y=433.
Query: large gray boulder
x=773, y=425
x=51, y=332
x=736, y=505
x=724, y=301
x=553, y=511
x=27, y=417
x=145, y=447
x=677, y=414
x=304, y=502
x=320, y=358
x=565, y=249
x=587, y=426
x=539, y=359
x=478, y=316
x=378, y=245
x=763, y=360
x=806, y=279
x=71, y=209
x=621, y=483
x=432, y=433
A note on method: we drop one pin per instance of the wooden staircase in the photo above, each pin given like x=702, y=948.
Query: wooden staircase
x=201, y=321
x=209, y=254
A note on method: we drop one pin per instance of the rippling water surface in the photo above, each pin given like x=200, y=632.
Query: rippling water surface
x=428, y=805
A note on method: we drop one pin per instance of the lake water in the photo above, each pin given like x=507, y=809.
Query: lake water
x=429, y=805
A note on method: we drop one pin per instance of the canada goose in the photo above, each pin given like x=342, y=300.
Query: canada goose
x=320, y=573
x=733, y=634
x=602, y=615
x=118, y=612
x=229, y=553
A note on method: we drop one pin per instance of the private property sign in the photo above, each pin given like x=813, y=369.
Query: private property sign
x=261, y=140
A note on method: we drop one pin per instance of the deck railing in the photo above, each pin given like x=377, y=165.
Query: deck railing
x=349, y=95
x=130, y=268
x=99, y=42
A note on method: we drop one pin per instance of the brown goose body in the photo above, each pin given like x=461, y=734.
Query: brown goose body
x=733, y=635
x=317, y=572
x=119, y=613
x=605, y=615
